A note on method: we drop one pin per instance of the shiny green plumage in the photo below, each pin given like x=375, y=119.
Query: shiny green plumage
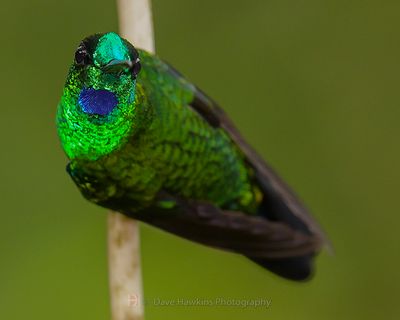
x=167, y=146
x=144, y=141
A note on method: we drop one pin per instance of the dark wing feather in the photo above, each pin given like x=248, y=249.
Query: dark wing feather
x=273, y=245
x=232, y=231
x=204, y=223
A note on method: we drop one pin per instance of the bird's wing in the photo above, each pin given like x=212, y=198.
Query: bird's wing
x=234, y=231
x=281, y=204
x=274, y=245
x=284, y=242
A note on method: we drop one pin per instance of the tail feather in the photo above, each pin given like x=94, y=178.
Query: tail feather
x=296, y=268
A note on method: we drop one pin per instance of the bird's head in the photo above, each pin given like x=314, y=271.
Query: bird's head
x=97, y=110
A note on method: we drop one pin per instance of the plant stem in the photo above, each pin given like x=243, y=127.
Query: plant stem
x=135, y=23
x=125, y=276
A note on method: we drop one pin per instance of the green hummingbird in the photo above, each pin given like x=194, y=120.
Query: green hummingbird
x=144, y=141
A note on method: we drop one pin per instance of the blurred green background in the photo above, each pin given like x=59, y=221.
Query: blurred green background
x=313, y=85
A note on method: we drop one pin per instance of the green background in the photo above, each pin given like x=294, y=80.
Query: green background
x=313, y=85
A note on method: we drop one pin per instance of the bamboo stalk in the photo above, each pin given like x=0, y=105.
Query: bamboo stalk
x=125, y=276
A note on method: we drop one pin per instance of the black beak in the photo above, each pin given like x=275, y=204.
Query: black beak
x=118, y=66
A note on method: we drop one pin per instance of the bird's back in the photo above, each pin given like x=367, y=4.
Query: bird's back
x=179, y=151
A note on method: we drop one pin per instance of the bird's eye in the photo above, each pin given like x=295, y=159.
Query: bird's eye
x=136, y=68
x=82, y=57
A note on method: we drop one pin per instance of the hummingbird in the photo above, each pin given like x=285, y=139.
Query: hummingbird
x=142, y=140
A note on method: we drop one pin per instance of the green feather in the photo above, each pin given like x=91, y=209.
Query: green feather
x=152, y=141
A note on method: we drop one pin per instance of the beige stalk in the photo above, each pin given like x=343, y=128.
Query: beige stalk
x=125, y=275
